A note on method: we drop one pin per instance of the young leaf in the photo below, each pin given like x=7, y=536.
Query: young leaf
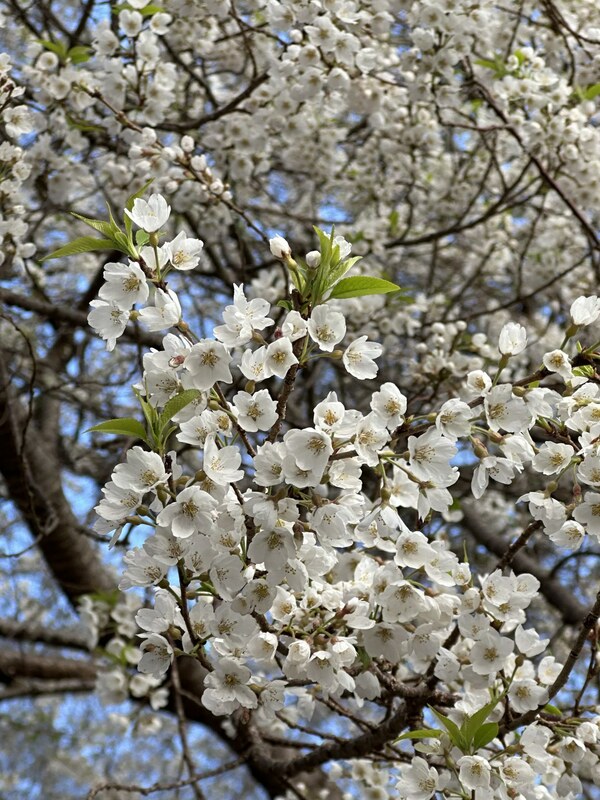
x=141, y=238
x=423, y=733
x=59, y=49
x=104, y=228
x=176, y=404
x=485, y=735
x=472, y=724
x=361, y=286
x=79, y=54
x=341, y=269
x=454, y=733
x=122, y=427
x=550, y=709
x=123, y=244
x=85, y=244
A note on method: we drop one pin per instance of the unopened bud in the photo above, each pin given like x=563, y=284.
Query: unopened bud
x=479, y=449
x=313, y=259
x=280, y=248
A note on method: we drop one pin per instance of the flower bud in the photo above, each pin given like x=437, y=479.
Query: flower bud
x=313, y=259
x=280, y=248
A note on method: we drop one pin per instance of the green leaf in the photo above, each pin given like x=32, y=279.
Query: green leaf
x=361, y=286
x=285, y=304
x=423, y=733
x=485, y=735
x=141, y=238
x=472, y=724
x=54, y=47
x=176, y=404
x=123, y=427
x=145, y=12
x=454, y=732
x=103, y=227
x=85, y=244
x=591, y=92
x=79, y=54
x=586, y=371
x=123, y=244
x=550, y=709
x=326, y=243
x=341, y=269
x=150, y=413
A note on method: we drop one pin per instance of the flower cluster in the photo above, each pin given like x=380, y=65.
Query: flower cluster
x=295, y=564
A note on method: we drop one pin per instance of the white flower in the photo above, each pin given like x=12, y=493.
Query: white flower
x=552, y=458
x=558, y=361
x=255, y=412
x=227, y=688
x=208, y=362
x=474, y=772
x=253, y=365
x=294, y=326
x=191, y=512
x=165, y=313
x=386, y=639
x=243, y=318
x=117, y=502
x=280, y=248
x=570, y=535
x=390, y=404
x=490, y=652
x=516, y=772
x=358, y=358
x=310, y=448
x=143, y=471
x=184, y=252
x=453, y=419
x=513, y=339
x=157, y=654
x=478, y=383
x=525, y=695
x=589, y=470
x=108, y=320
x=222, y=465
x=164, y=614
x=150, y=215
x=504, y=410
x=279, y=358
x=125, y=285
x=326, y=327
x=585, y=310
x=371, y=437
x=430, y=455
x=588, y=513
x=272, y=547
x=268, y=464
